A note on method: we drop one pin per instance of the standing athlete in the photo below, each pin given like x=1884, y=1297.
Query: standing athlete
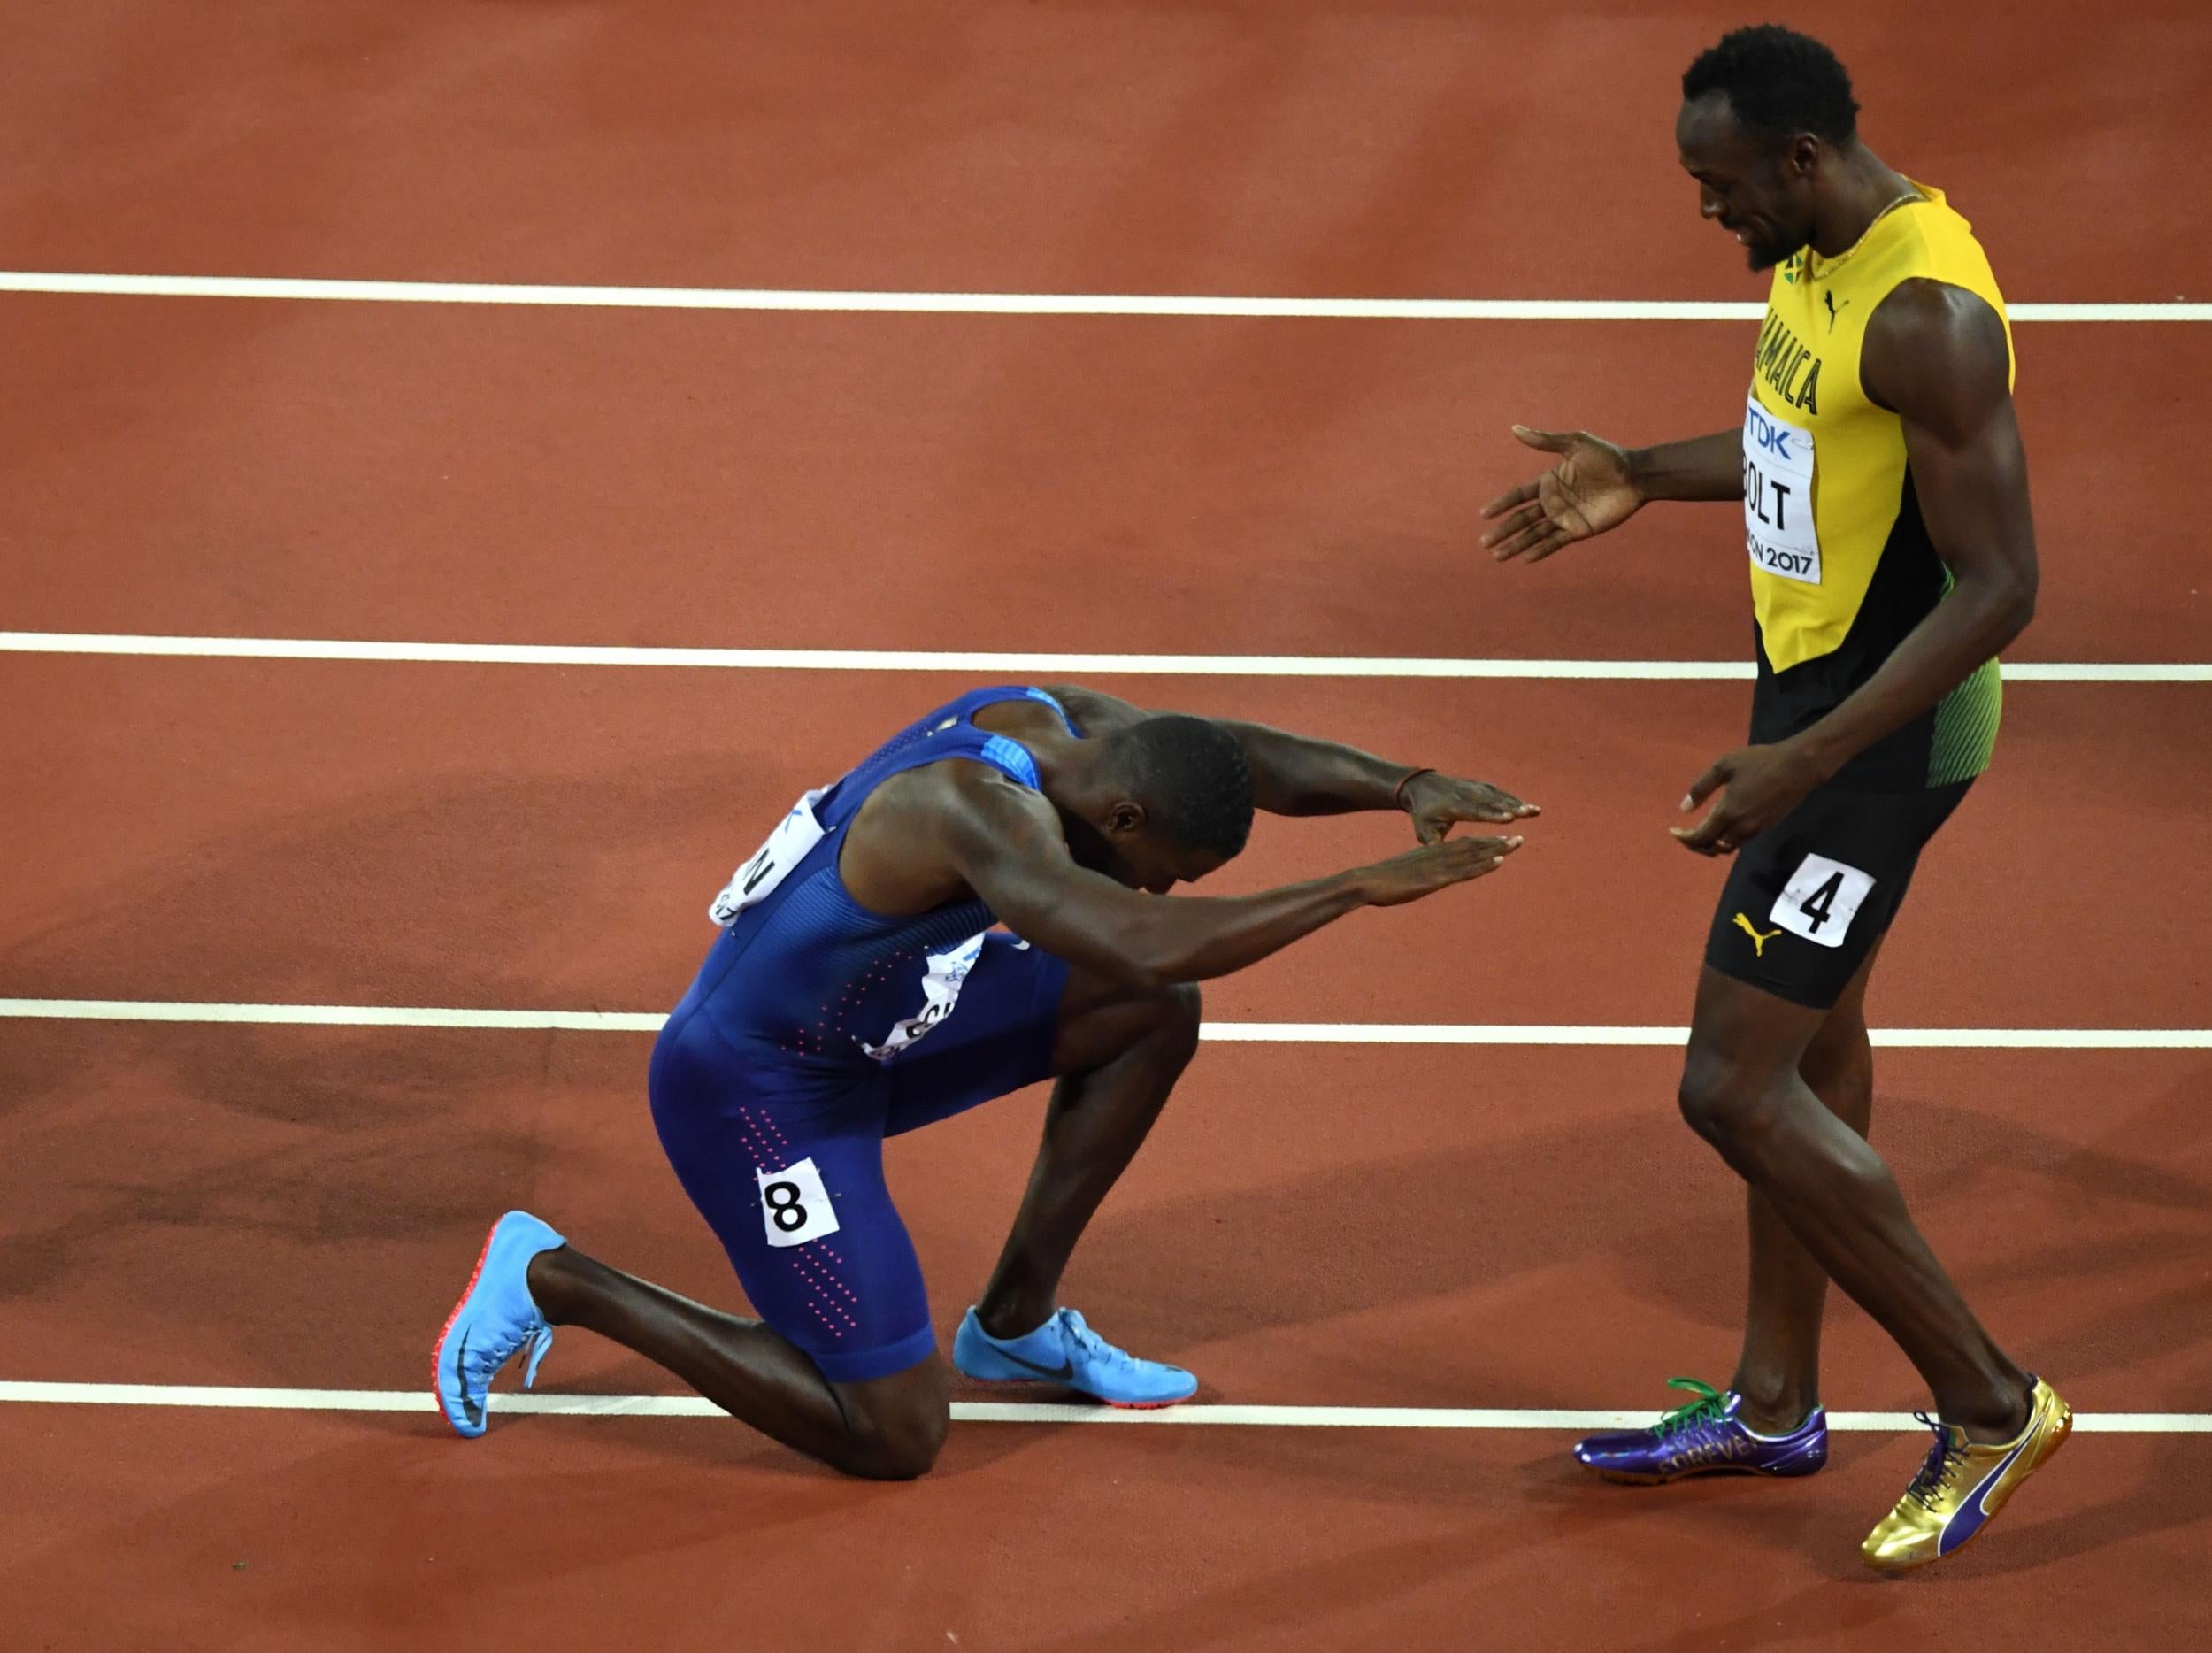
x=1893, y=555
x=859, y=989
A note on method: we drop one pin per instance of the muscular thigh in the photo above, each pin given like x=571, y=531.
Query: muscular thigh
x=792, y=1186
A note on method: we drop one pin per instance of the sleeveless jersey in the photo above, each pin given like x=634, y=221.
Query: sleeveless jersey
x=806, y=978
x=1842, y=568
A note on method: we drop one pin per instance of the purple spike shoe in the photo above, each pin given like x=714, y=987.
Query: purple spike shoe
x=1704, y=1438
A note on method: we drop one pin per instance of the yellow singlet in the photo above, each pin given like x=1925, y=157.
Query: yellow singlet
x=1842, y=566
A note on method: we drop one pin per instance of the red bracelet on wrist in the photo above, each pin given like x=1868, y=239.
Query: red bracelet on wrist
x=1398, y=798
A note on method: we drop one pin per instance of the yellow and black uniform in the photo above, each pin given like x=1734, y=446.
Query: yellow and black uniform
x=1842, y=566
x=1843, y=571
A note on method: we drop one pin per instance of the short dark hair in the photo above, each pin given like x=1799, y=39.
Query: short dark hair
x=1192, y=777
x=1777, y=82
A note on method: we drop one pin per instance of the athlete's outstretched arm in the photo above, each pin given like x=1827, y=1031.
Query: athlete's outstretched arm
x=1936, y=356
x=1597, y=486
x=1296, y=774
x=1708, y=468
x=1005, y=841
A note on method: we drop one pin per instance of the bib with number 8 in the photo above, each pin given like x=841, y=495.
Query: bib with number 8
x=795, y=1206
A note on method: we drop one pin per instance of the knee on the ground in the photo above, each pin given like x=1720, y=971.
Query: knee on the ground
x=905, y=1450
x=898, y=1425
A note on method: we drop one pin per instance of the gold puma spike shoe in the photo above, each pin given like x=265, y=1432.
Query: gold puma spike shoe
x=1962, y=1484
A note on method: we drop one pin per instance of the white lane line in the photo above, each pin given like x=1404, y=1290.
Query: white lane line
x=601, y=298
x=328, y=1015
x=1222, y=1033
x=221, y=1399
x=1010, y=662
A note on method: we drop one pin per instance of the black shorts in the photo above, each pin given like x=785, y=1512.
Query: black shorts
x=1808, y=897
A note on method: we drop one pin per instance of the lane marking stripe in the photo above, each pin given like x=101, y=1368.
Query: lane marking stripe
x=302, y=1400
x=1013, y=663
x=1221, y=1032
x=606, y=298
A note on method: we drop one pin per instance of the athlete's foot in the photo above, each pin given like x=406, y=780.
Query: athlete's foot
x=496, y=1318
x=1011, y=1320
x=1065, y=1350
x=1708, y=1437
x=1770, y=1417
x=1964, y=1483
x=1998, y=1418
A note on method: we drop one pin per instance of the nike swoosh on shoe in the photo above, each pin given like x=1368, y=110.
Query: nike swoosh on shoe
x=469, y=1408
x=1066, y=1369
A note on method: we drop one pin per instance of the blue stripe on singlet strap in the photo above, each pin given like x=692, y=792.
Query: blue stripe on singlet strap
x=1013, y=758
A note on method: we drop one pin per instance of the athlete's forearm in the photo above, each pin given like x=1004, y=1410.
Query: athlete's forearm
x=1294, y=774
x=1702, y=468
x=1977, y=619
x=1007, y=847
x=1152, y=941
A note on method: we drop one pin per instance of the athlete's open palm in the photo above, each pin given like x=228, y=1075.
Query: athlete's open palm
x=1588, y=492
x=1431, y=867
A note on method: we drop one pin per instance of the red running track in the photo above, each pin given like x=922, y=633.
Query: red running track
x=1516, y=1227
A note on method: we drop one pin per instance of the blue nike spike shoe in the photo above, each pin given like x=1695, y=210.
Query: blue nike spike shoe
x=495, y=1318
x=1065, y=1350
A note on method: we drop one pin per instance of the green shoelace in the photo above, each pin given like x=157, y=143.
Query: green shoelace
x=1709, y=1406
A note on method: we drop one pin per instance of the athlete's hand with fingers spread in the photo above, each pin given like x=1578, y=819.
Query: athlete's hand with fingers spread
x=1590, y=489
x=1758, y=786
x=1431, y=867
x=1437, y=803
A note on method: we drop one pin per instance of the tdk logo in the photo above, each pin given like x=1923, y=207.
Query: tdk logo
x=1771, y=438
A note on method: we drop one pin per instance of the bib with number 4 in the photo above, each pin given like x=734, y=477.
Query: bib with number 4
x=1820, y=899
x=795, y=1205
x=1779, y=529
x=787, y=846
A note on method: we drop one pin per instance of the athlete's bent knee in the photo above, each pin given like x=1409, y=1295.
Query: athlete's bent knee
x=897, y=1425
x=1729, y=1106
x=1182, y=1009
x=904, y=1452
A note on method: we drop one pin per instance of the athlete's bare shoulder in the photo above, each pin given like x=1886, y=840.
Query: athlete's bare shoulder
x=1935, y=352
x=907, y=846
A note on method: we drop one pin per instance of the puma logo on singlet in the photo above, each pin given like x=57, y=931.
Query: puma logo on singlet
x=1758, y=941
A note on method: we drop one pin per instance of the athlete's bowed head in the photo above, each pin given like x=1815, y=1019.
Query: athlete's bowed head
x=1169, y=801
x=1768, y=127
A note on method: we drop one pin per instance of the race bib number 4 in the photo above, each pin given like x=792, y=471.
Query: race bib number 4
x=1778, y=496
x=1820, y=900
x=795, y=1205
x=787, y=846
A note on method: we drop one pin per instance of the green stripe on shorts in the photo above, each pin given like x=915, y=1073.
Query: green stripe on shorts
x=1966, y=723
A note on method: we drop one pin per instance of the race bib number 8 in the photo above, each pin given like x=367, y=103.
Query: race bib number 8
x=795, y=1205
x=787, y=846
x=1778, y=496
x=1820, y=900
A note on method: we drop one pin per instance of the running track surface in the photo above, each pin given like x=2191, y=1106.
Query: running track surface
x=1524, y=1228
